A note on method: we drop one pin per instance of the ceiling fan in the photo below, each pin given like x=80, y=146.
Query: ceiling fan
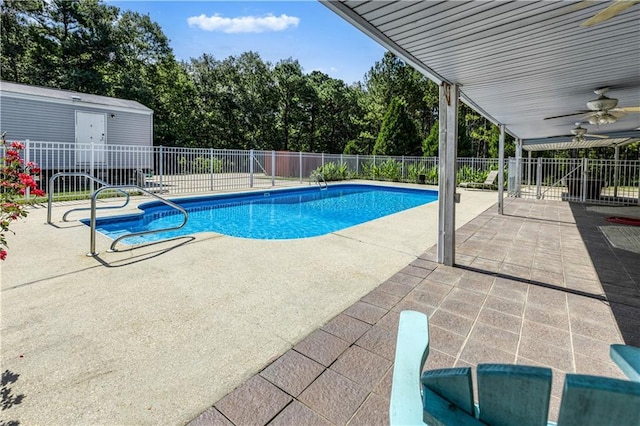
x=580, y=132
x=608, y=13
x=603, y=110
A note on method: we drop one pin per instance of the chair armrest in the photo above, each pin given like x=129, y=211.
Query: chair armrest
x=412, y=348
x=628, y=359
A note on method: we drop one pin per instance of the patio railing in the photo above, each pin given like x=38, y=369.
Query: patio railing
x=594, y=181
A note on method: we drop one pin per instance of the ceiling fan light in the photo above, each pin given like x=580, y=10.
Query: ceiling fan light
x=578, y=131
x=602, y=104
x=607, y=118
x=602, y=118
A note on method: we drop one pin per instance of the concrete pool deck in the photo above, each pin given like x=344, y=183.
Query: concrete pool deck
x=158, y=334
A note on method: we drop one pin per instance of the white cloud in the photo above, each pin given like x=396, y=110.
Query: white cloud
x=243, y=24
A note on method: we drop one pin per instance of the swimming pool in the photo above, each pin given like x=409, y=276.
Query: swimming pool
x=275, y=214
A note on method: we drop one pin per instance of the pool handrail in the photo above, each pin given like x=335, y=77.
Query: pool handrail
x=317, y=176
x=51, y=192
x=112, y=248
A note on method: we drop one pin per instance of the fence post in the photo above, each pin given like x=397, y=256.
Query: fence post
x=27, y=158
x=616, y=170
x=402, y=169
x=529, y=172
x=300, y=158
x=583, y=195
x=539, y=178
x=251, y=168
x=323, y=160
x=357, y=165
x=273, y=168
x=161, y=166
x=211, y=167
x=92, y=167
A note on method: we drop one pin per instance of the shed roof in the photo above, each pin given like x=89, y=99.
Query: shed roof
x=69, y=95
x=516, y=62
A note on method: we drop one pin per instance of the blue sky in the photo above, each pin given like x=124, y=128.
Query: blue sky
x=303, y=30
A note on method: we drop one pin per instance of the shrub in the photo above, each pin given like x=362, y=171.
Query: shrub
x=430, y=173
x=16, y=177
x=200, y=165
x=334, y=171
x=387, y=170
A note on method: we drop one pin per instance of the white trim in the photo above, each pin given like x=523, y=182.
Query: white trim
x=74, y=103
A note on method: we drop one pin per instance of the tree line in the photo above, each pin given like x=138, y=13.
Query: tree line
x=238, y=102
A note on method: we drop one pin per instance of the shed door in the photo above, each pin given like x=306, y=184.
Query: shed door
x=91, y=136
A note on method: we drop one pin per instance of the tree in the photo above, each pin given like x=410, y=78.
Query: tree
x=398, y=135
x=392, y=77
x=257, y=100
x=15, y=40
x=295, y=97
x=431, y=144
x=72, y=44
x=332, y=121
x=144, y=69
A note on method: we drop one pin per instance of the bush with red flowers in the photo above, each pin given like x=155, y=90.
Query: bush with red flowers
x=16, y=177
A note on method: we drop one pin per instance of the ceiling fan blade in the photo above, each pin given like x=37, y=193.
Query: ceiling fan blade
x=569, y=115
x=630, y=109
x=597, y=136
x=609, y=12
x=618, y=113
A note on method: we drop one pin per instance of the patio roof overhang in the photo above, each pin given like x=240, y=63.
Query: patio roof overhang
x=517, y=63
x=612, y=140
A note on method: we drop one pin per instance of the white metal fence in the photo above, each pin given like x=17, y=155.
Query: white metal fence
x=174, y=170
x=585, y=180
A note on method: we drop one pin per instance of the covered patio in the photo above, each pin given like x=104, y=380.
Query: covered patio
x=535, y=69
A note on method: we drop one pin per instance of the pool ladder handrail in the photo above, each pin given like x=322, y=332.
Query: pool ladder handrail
x=112, y=248
x=51, y=191
x=318, y=177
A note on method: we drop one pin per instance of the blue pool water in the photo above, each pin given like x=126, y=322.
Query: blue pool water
x=274, y=214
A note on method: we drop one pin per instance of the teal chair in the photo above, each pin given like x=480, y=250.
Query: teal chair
x=507, y=394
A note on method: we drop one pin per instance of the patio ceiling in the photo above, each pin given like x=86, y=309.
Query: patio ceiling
x=517, y=63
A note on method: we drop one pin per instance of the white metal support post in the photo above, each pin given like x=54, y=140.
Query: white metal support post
x=448, y=148
x=518, y=182
x=501, y=171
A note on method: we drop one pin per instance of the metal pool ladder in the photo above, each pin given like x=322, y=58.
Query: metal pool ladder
x=93, y=179
x=94, y=197
x=112, y=248
x=319, y=179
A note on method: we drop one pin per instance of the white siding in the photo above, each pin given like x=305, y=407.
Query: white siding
x=48, y=121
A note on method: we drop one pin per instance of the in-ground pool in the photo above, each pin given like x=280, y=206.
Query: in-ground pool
x=273, y=214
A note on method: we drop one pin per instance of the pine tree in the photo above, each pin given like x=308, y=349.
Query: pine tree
x=398, y=134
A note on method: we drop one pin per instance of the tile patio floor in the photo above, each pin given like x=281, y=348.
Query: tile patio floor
x=539, y=285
